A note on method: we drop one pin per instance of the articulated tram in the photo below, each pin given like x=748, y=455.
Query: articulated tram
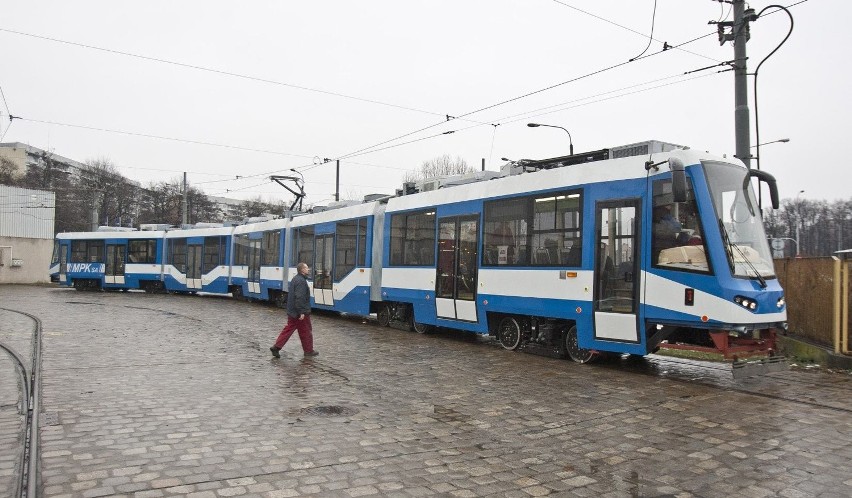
x=622, y=250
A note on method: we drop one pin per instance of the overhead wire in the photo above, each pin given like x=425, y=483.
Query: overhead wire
x=11, y=118
x=677, y=47
x=651, y=36
x=160, y=137
x=215, y=71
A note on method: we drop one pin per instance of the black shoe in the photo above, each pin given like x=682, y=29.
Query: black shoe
x=275, y=351
x=311, y=353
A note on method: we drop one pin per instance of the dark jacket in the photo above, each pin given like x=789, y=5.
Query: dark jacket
x=298, y=297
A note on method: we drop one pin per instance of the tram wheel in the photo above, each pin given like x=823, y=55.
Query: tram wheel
x=383, y=315
x=420, y=328
x=509, y=333
x=575, y=352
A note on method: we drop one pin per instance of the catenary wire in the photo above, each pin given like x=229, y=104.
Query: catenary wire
x=223, y=72
x=215, y=71
x=360, y=152
x=757, y=69
x=651, y=36
x=677, y=47
x=159, y=137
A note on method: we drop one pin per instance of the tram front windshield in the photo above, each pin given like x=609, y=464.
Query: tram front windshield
x=739, y=221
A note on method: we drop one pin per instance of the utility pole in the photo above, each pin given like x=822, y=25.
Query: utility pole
x=337, y=183
x=739, y=34
x=184, y=203
x=96, y=202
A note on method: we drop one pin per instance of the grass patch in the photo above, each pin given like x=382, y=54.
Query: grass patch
x=691, y=355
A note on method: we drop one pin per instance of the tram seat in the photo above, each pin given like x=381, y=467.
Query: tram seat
x=571, y=257
x=542, y=256
x=683, y=254
x=426, y=257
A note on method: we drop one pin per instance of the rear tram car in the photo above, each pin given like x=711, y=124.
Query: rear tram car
x=109, y=259
x=616, y=251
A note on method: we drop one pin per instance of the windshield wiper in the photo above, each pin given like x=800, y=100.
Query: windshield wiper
x=730, y=247
x=727, y=240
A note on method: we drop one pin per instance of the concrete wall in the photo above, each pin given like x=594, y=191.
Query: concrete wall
x=34, y=256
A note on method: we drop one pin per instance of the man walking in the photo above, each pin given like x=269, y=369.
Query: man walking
x=298, y=313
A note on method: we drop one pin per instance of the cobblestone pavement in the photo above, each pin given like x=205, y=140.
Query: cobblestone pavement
x=16, y=332
x=158, y=395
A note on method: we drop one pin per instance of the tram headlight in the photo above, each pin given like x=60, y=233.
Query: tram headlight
x=749, y=304
x=781, y=302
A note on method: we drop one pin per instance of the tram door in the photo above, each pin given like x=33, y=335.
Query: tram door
x=114, y=268
x=63, y=263
x=194, y=258
x=323, y=262
x=617, y=271
x=254, y=266
x=456, y=279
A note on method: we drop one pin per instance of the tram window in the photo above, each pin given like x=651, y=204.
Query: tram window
x=177, y=254
x=79, y=250
x=345, y=245
x=677, y=240
x=241, y=250
x=413, y=239
x=142, y=251
x=214, y=251
x=303, y=246
x=270, y=244
x=54, y=258
x=95, y=252
x=543, y=230
x=362, y=242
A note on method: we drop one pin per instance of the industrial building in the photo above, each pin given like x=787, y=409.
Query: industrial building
x=26, y=235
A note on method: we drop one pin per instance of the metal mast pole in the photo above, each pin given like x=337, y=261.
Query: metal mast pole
x=741, y=111
x=184, y=203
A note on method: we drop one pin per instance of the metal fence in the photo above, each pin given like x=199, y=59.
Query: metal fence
x=817, y=292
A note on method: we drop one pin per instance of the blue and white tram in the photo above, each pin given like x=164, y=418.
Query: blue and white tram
x=584, y=254
x=197, y=260
x=110, y=259
x=259, y=271
x=337, y=244
x=577, y=256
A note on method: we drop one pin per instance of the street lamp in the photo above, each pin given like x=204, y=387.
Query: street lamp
x=570, y=142
x=798, y=219
x=759, y=188
x=780, y=140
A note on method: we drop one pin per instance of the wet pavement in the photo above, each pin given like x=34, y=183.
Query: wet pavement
x=160, y=395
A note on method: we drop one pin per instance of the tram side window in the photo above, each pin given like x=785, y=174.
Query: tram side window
x=677, y=241
x=142, y=251
x=177, y=254
x=303, y=246
x=214, y=253
x=345, y=246
x=534, y=231
x=87, y=251
x=362, y=242
x=413, y=239
x=241, y=250
x=79, y=251
x=271, y=241
x=54, y=258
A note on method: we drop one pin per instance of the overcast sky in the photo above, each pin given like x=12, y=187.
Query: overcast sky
x=277, y=83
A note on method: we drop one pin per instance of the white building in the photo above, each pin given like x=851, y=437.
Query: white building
x=26, y=234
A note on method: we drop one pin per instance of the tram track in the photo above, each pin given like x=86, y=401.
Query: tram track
x=741, y=390
x=27, y=483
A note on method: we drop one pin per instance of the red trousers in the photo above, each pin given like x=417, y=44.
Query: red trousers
x=305, y=335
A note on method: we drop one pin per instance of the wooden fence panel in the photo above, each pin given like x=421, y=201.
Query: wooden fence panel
x=809, y=290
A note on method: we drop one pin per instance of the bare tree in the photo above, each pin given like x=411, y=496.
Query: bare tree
x=439, y=166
